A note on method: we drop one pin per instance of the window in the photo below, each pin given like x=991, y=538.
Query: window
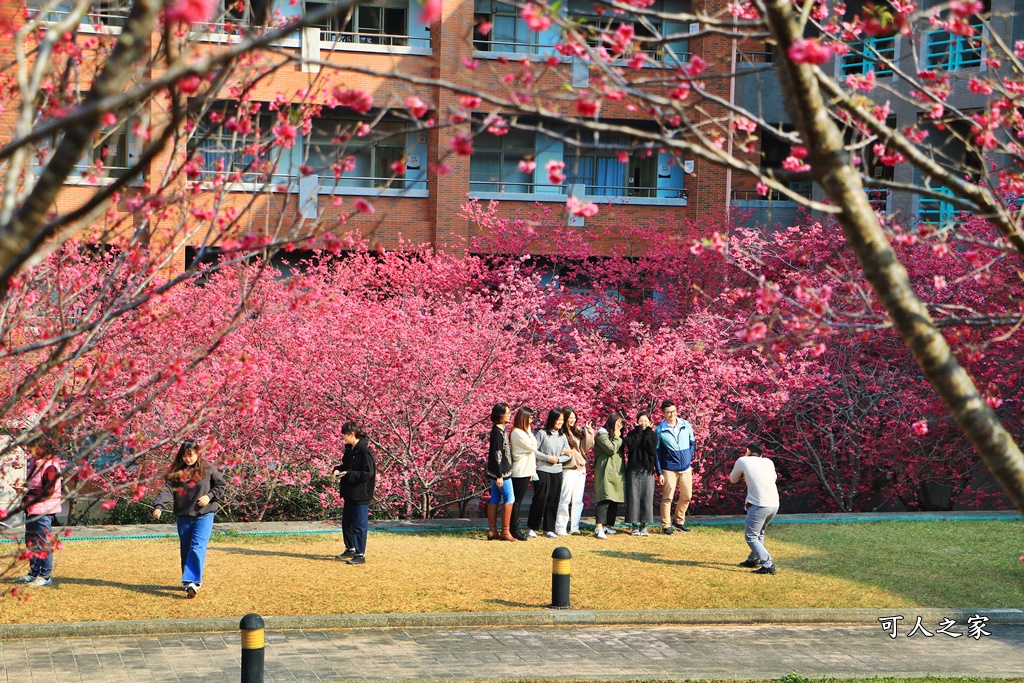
x=235, y=15
x=870, y=54
x=494, y=166
x=946, y=51
x=935, y=211
x=112, y=13
x=377, y=23
x=373, y=155
x=226, y=152
x=508, y=32
x=649, y=31
x=109, y=12
x=602, y=173
x=774, y=151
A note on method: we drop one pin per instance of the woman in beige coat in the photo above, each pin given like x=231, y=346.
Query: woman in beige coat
x=574, y=473
x=523, y=446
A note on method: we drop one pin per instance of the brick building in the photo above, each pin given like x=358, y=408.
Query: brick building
x=421, y=205
x=934, y=50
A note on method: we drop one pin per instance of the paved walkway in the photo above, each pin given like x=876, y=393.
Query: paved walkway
x=538, y=653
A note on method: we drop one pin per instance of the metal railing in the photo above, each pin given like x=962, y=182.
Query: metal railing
x=509, y=47
x=754, y=57
x=372, y=182
x=755, y=196
x=331, y=37
x=104, y=171
x=879, y=199
x=499, y=186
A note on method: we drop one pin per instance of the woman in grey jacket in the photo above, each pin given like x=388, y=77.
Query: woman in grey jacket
x=194, y=487
x=552, y=451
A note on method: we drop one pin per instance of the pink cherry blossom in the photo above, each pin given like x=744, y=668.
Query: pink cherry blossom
x=554, y=169
x=417, y=107
x=189, y=11
x=809, y=51
x=431, y=12
x=535, y=17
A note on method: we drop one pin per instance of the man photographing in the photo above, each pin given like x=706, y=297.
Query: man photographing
x=762, y=504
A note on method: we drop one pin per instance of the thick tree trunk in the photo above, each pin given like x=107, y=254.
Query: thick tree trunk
x=832, y=169
x=24, y=233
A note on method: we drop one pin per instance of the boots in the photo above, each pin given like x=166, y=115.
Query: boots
x=492, y=522
x=506, y=517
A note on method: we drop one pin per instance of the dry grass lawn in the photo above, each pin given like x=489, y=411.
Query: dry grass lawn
x=893, y=564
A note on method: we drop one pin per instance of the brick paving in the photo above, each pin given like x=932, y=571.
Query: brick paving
x=544, y=653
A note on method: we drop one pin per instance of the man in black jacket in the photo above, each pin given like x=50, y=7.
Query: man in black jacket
x=358, y=474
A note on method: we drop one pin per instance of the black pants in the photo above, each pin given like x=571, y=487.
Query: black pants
x=546, y=491
x=519, y=488
x=606, y=511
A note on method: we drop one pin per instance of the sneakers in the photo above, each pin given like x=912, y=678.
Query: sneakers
x=575, y=532
x=347, y=555
x=635, y=531
x=550, y=534
x=530, y=533
x=610, y=530
x=561, y=533
x=667, y=530
x=357, y=559
x=644, y=531
x=40, y=581
x=26, y=579
x=600, y=533
x=681, y=527
x=765, y=570
x=750, y=564
x=191, y=590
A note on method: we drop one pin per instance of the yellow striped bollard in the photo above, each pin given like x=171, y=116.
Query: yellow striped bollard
x=252, y=648
x=560, y=578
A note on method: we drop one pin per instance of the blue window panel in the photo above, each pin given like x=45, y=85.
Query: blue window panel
x=947, y=52
x=867, y=55
x=936, y=211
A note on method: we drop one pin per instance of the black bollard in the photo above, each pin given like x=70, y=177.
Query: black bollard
x=560, y=578
x=252, y=648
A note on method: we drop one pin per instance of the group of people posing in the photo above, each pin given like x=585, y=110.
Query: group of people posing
x=626, y=462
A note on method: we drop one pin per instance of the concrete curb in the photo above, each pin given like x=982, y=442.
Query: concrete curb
x=154, y=531
x=459, y=620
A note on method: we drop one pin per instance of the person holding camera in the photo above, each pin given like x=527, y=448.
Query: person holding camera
x=358, y=475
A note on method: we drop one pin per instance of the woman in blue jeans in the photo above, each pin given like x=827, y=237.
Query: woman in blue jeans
x=194, y=486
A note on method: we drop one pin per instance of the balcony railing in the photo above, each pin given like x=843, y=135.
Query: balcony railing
x=496, y=186
x=112, y=18
x=330, y=37
x=935, y=211
x=879, y=199
x=371, y=182
x=509, y=47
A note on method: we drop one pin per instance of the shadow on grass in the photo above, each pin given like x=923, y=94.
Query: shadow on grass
x=147, y=589
x=938, y=563
x=652, y=558
x=510, y=603
x=271, y=553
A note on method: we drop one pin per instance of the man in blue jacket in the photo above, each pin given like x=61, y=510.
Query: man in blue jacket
x=675, y=455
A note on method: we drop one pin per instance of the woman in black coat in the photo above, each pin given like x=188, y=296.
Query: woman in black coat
x=641, y=466
x=499, y=472
x=358, y=474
